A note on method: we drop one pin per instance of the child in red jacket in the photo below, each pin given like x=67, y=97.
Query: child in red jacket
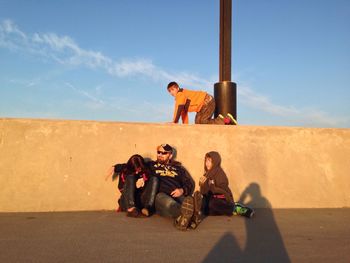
x=137, y=185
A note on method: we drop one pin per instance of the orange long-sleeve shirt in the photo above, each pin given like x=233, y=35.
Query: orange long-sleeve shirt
x=192, y=101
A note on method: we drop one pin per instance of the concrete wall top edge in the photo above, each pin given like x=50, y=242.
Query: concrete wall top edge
x=26, y=120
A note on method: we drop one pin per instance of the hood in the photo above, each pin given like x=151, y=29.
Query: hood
x=216, y=159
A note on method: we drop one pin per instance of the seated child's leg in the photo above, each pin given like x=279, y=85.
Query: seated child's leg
x=218, y=206
x=149, y=194
x=205, y=204
x=128, y=195
x=122, y=205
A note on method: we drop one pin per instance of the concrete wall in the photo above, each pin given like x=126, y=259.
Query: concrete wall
x=49, y=165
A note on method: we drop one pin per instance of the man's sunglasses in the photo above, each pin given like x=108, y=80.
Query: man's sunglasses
x=162, y=153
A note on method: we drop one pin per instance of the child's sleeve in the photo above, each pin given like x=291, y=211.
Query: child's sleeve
x=204, y=188
x=184, y=117
x=117, y=170
x=180, y=103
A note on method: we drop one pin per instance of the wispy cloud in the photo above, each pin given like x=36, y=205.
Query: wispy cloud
x=251, y=98
x=296, y=116
x=64, y=50
x=121, y=107
x=97, y=102
x=318, y=118
x=26, y=83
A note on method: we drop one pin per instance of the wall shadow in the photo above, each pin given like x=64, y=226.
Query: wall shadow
x=264, y=241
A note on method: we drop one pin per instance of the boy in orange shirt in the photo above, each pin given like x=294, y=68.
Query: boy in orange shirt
x=196, y=101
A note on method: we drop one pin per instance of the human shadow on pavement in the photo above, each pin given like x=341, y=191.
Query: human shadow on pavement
x=226, y=250
x=264, y=241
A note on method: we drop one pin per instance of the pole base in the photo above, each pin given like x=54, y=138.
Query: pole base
x=225, y=94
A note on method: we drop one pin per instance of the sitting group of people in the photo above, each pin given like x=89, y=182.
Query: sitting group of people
x=165, y=187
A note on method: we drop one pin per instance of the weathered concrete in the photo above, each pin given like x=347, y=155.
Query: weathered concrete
x=277, y=236
x=59, y=165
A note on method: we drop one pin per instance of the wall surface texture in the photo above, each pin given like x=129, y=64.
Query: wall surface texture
x=59, y=165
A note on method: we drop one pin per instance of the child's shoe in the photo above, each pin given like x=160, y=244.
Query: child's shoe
x=242, y=210
x=226, y=120
x=232, y=119
x=187, y=208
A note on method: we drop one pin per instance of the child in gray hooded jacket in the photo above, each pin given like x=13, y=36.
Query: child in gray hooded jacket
x=214, y=186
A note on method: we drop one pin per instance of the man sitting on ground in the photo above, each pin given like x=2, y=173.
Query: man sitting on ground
x=175, y=189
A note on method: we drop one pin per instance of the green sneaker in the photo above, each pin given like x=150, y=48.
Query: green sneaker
x=242, y=210
x=226, y=120
x=233, y=121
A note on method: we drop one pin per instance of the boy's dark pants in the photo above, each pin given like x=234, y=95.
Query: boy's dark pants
x=206, y=112
x=217, y=206
x=141, y=198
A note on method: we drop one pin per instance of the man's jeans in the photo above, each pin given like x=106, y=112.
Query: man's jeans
x=141, y=198
x=168, y=206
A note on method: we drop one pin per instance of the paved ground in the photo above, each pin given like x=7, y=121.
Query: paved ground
x=291, y=235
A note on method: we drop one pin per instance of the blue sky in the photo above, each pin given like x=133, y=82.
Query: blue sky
x=111, y=60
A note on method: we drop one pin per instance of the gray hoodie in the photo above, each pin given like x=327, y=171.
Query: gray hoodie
x=217, y=181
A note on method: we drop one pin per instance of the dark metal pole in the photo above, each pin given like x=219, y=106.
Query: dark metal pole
x=225, y=40
x=225, y=91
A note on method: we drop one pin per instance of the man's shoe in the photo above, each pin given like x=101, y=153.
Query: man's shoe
x=232, y=119
x=187, y=208
x=197, y=213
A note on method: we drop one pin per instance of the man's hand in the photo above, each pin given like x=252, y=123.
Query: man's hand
x=177, y=192
x=202, y=180
x=140, y=183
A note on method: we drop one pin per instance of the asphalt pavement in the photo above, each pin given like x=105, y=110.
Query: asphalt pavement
x=278, y=235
